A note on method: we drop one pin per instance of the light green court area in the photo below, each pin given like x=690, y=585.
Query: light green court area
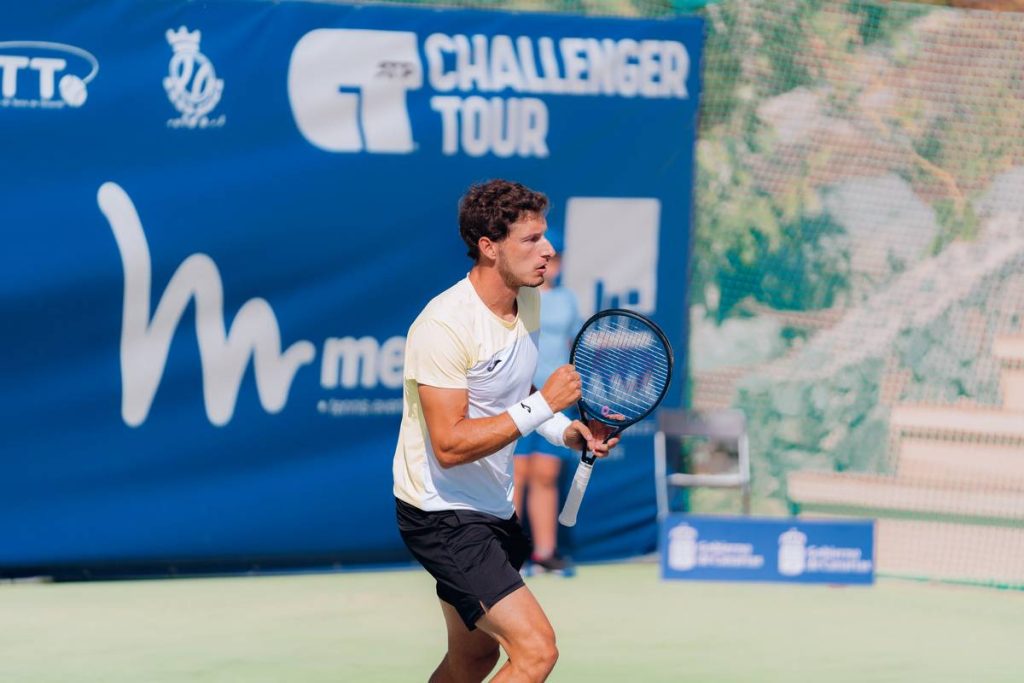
x=614, y=623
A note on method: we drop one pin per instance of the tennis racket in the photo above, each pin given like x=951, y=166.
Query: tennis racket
x=625, y=362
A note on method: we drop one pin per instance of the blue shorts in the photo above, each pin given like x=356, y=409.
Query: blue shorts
x=535, y=443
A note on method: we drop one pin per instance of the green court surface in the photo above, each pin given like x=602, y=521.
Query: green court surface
x=614, y=623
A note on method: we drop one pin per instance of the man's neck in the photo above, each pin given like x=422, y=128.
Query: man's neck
x=494, y=292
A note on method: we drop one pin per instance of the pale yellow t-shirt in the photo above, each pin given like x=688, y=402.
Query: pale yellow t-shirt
x=459, y=343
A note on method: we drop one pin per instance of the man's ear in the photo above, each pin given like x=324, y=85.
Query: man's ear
x=488, y=248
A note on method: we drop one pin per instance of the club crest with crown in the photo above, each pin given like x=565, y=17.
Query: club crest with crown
x=192, y=84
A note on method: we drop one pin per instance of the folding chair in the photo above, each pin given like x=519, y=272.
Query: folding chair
x=723, y=426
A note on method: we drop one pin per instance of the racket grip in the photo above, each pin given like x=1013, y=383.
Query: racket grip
x=575, y=497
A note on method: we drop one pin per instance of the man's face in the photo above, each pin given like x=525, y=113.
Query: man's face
x=523, y=256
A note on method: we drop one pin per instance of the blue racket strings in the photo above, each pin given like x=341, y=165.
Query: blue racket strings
x=625, y=367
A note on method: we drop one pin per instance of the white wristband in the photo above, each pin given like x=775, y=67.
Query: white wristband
x=530, y=413
x=554, y=429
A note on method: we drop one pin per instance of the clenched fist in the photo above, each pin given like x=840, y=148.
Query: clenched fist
x=562, y=388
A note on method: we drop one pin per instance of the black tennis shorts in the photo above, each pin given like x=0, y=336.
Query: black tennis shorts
x=475, y=557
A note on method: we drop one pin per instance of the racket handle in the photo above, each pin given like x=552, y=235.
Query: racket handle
x=575, y=497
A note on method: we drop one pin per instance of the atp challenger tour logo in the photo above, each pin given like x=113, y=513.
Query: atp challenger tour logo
x=225, y=352
x=348, y=88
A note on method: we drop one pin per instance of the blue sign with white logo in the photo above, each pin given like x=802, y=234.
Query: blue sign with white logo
x=220, y=219
x=767, y=549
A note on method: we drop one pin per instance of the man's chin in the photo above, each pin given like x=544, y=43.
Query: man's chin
x=533, y=280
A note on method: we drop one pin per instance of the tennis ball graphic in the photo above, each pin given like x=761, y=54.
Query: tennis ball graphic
x=72, y=90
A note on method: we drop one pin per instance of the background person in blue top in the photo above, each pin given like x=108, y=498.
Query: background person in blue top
x=537, y=463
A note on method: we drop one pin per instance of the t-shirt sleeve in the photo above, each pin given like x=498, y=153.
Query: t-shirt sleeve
x=436, y=356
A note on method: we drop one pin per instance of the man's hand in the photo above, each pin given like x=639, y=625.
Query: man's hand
x=578, y=435
x=562, y=388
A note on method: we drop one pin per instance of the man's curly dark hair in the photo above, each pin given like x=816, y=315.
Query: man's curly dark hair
x=488, y=209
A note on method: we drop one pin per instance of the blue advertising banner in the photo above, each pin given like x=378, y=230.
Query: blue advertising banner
x=767, y=549
x=220, y=219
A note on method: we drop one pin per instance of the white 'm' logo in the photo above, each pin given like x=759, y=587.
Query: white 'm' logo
x=192, y=84
x=224, y=355
x=348, y=87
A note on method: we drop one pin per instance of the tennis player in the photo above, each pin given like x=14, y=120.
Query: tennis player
x=469, y=363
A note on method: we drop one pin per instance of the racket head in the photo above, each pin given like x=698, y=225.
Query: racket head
x=625, y=362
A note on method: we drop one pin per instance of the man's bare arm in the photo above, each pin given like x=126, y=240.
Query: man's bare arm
x=458, y=439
